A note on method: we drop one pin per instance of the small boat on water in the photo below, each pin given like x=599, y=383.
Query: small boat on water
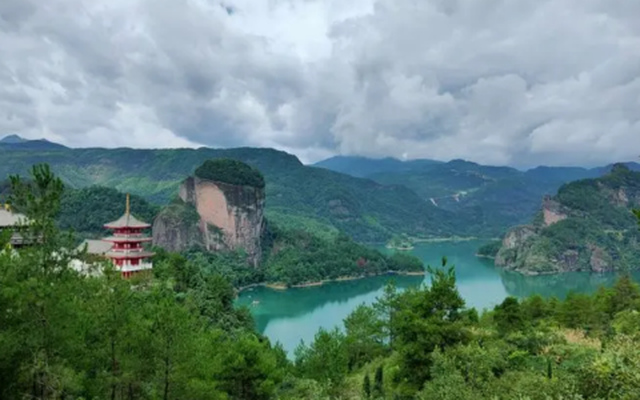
x=255, y=303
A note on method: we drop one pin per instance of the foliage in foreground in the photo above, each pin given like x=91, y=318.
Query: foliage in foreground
x=65, y=335
x=429, y=346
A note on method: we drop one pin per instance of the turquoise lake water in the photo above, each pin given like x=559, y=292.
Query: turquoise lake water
x=296, y=314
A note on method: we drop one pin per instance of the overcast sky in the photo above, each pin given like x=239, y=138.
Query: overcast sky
x=521, y=82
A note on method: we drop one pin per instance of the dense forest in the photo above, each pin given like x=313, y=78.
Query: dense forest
x=176, y=335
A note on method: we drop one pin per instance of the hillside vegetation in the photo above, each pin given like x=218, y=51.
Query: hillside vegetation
x=230, y=171
x=365, y=210
x=593, y=230
x=489, y=199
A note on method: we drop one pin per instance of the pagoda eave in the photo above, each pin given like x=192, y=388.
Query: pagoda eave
x=115, y=227
x=133, y=255
x=116, y=239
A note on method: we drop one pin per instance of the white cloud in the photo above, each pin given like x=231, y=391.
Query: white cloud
x=493, y=81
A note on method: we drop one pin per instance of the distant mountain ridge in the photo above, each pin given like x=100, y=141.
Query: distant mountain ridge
x=363, y=167
x=13, y=139
x=488, y=198
x=366, y=167
x=15, y=142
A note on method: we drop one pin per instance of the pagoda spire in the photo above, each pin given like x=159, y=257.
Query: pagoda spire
x=128, y=207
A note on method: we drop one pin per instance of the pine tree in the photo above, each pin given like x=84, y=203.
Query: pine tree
x=386, y=307
x=366, y=387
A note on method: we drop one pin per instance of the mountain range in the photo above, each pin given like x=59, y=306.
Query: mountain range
x=305, y=196
x=489, y=198
x=369, y=199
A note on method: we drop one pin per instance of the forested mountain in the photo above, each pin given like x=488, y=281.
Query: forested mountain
x=488, y=198
x=587, y=226
x=366, y=210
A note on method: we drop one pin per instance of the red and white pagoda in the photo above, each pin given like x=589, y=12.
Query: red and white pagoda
x=127, y=252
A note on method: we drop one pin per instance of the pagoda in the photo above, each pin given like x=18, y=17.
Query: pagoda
x=127, y=252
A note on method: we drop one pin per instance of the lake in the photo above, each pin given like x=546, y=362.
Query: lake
x=296, y=314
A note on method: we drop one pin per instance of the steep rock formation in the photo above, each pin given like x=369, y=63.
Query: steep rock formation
x=552, y=211
x=214, y=215
x=587, y=226
x=177, y=228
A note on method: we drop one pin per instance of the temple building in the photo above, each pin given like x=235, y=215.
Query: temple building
x=12, y=222
x=127, y=251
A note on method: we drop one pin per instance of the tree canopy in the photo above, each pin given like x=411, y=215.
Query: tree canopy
x=230, y=171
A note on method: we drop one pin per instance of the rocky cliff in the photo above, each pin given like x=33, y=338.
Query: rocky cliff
x=219, y=209
x=587, y=226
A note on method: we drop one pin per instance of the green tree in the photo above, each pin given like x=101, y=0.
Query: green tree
x=324, y=360
x=247, y=368
x=429, y=318
x=35, y=286
x=577, y=311
x=625, y=295
x=535, y=308
x=508, y=316
x=364, y=336
x=386, y=307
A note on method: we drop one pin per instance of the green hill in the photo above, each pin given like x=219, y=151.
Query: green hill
x=587, y=226
x=365, y=210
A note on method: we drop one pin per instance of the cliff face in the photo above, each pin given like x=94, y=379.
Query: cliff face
x=587, y=226
x=177, y=228
x=224, y=217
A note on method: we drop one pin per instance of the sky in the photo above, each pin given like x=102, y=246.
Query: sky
x=502, y=82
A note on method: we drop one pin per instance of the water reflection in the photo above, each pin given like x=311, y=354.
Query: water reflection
x=556, y=285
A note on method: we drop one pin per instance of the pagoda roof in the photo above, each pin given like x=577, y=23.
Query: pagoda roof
x=127, y=221
x=128, y=238
x=96, y=246
x=129, y=254
x=10, y=219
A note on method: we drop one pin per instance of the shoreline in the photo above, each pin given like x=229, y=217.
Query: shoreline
x=449, y=239
x=391, y=247
x=485, y=256
x=282, y=287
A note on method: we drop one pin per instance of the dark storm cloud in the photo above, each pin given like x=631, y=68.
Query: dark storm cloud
x=494, y=81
